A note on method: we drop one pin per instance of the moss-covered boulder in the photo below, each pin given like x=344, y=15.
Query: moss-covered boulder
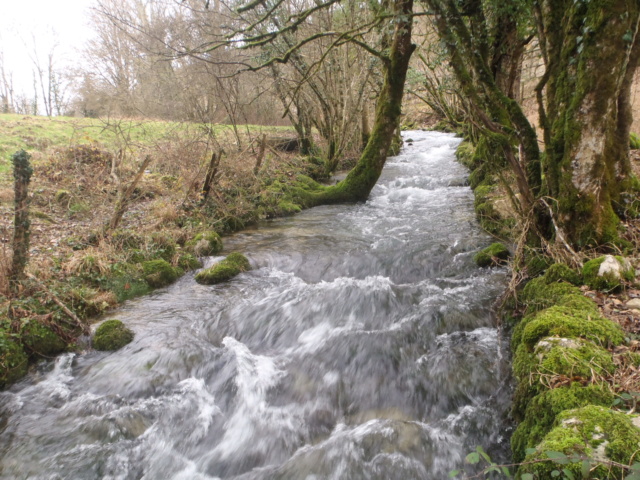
x=559, y=272
x=495, y=254
x=222, y=271
x=111, y=335
x=607, y=273
x=567, y=322
x=593, y=431
x=544, y=408
x=538, y=294
x=536, y=263
x=39, y=339
x=555, y=357
x=13, y=360
x=159, y=273
x=206, y=244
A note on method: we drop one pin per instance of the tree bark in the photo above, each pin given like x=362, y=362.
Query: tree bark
x=22, y=172
x=592, y=52
x=363, y=177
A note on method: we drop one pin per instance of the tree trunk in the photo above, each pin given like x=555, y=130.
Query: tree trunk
x=592, y=51
x=363, y=177
x=22, y=172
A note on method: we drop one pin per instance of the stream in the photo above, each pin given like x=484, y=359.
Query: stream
x=360, y=346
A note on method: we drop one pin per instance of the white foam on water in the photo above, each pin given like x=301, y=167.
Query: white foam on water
x=247, y=429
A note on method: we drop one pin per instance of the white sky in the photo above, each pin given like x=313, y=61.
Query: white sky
x=48, y=21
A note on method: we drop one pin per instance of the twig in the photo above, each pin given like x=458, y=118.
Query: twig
x=65, y=309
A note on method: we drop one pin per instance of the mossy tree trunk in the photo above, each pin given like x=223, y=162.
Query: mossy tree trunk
x=485, y=60
x=363, y=177
x=22, y=172
x=591, y=50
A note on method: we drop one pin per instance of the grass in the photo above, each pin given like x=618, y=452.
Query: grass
x=44, y=134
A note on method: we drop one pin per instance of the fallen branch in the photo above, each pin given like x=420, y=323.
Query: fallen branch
x=65, y=309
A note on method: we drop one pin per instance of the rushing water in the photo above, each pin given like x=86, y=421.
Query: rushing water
x=360, y=346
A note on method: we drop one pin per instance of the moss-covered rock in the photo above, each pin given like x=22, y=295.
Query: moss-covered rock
x=562, y=321
x=111, y=335
x=206, y=244
x=187, y=261
x=538, y=294
x=536, y=263
x=40, y=339
x=559, y=272
x=545, y=407
x=593, y=431
x=495, y=254
x=159, y=273
x=464, y=154
x=222, y=271
x=607, y=272
x=566, y=357
x=556, y=361
x=13, y=360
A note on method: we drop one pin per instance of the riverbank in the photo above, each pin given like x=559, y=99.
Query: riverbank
x=574, y=341
x=81, y=265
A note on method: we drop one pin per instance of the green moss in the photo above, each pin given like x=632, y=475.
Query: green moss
x=205, y=244
x=543, y=409
x=494, y=254
x=111, y=335
x=228, y=268
x=592, y=431
x=536, y=263
x=126, y=286
x=187, y=261
x=538, y=294
x=609, y=281
x=287, y=208
x=40, y=339
x=464, y=153
x=159, y=273
x=634, y=141
x=13, y=360
x=568, y=357
x=563, y=321
x=162, y=245
x=559, y=272
x=239, y=260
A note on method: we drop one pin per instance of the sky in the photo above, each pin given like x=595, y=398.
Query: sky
x=48, y=21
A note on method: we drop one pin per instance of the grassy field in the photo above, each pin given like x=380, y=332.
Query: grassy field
x=43, y=134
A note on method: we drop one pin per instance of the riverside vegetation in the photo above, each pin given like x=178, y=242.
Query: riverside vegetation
x=80, y=265
x=575, y=366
